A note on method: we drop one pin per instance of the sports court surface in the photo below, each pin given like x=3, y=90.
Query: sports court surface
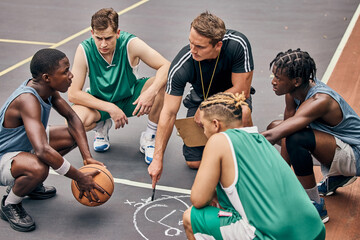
x=271, y=26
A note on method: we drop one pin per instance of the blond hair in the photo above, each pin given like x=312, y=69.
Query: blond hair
x=225, y=106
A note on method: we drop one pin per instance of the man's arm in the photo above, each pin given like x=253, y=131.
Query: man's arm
x=241, y=83
x=29, y=110
x=30, y=113
x=290, y=109
x=310, y=110
x=163, y=133
x=75, y=126
x=139, y=50
x=77, y=96
x=208, y=175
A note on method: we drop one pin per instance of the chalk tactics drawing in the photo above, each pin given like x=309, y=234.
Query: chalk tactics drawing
x=161, y=218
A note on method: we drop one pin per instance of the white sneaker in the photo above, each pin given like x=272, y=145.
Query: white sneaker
x=101, y=140
x=147, y=146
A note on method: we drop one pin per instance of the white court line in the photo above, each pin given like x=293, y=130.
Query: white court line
x=25, y=42
x=340, y=48
x=144, y=185
x=9, y=69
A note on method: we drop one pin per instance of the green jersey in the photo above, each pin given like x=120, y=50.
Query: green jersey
x=115, y=81
x=266, y=191
x=265, y=201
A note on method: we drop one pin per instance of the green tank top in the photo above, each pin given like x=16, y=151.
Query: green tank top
x=110, y=82
x=267, y=192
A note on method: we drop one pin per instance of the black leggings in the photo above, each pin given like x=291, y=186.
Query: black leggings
x=299, y=146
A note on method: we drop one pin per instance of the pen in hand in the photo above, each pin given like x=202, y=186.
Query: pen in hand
x=153, y=194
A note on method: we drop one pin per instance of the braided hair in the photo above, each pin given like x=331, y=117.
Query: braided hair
x=224, y=105
x=294, y=64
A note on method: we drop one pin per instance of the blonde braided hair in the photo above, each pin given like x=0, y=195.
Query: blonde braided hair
x=225, y=106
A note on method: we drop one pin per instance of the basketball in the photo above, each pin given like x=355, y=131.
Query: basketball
x=104, y=179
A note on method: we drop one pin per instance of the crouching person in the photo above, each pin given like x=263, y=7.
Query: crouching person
x=259, y=197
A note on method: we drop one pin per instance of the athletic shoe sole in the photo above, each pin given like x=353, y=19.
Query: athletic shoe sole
x=100, y=149
x=325, y=219
x=142, y=150
x=15, y=227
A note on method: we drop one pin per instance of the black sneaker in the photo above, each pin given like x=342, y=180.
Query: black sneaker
x=16, y=215
x=40, y=192
x=330, y=184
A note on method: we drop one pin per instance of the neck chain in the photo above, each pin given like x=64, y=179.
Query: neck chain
x=202, y=82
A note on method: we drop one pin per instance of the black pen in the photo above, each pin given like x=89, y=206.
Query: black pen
x=153, y=194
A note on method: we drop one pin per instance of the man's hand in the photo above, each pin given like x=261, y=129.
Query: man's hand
x=92, y=161
x=144, y=103
x=155, y=169
x=118, y=116
x=87, y=185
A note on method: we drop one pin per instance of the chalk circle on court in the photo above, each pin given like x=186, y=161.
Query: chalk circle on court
x=161, y=218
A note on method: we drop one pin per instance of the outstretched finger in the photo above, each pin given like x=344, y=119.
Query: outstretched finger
x=137, y=106
x=88, y=196
x=99, y=188
x=136, y=110
x=95, y=172
x=141, y=111
x=81, y=194
x=94, y=195
x=154, y=180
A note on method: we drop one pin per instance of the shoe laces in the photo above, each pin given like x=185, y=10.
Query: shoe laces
x=19, y=210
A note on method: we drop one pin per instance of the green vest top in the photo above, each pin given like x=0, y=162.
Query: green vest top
x=272, y=198
x=115, y=81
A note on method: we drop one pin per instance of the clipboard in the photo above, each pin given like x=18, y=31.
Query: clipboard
x=190, y=132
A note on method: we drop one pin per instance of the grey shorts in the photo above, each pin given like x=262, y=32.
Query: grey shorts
x=6, y=178
x=344, y=162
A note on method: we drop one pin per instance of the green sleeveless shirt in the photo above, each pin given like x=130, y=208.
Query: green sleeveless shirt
x=110, y=82
x=267, y=192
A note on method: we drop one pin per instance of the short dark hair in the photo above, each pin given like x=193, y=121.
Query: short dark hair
x=104, y=18
x=294, y=64
x=45, y=61
x=210, y=26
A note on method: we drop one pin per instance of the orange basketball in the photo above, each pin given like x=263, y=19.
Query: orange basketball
x=104, y=179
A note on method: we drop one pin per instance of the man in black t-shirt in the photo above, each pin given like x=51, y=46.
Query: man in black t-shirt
x=216, y=60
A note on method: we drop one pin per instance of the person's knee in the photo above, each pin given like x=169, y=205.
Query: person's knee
x=273, y=124
x=193, y=164
x=304, y=139
x=300, y=146
x=88, y=116
x=39, y=171
x=187, y=220
x=193, y=156
x=31, y=167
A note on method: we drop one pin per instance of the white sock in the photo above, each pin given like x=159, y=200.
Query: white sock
x=151, y=128
x=12, y=198
x=313, y=194
x=98, y=125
